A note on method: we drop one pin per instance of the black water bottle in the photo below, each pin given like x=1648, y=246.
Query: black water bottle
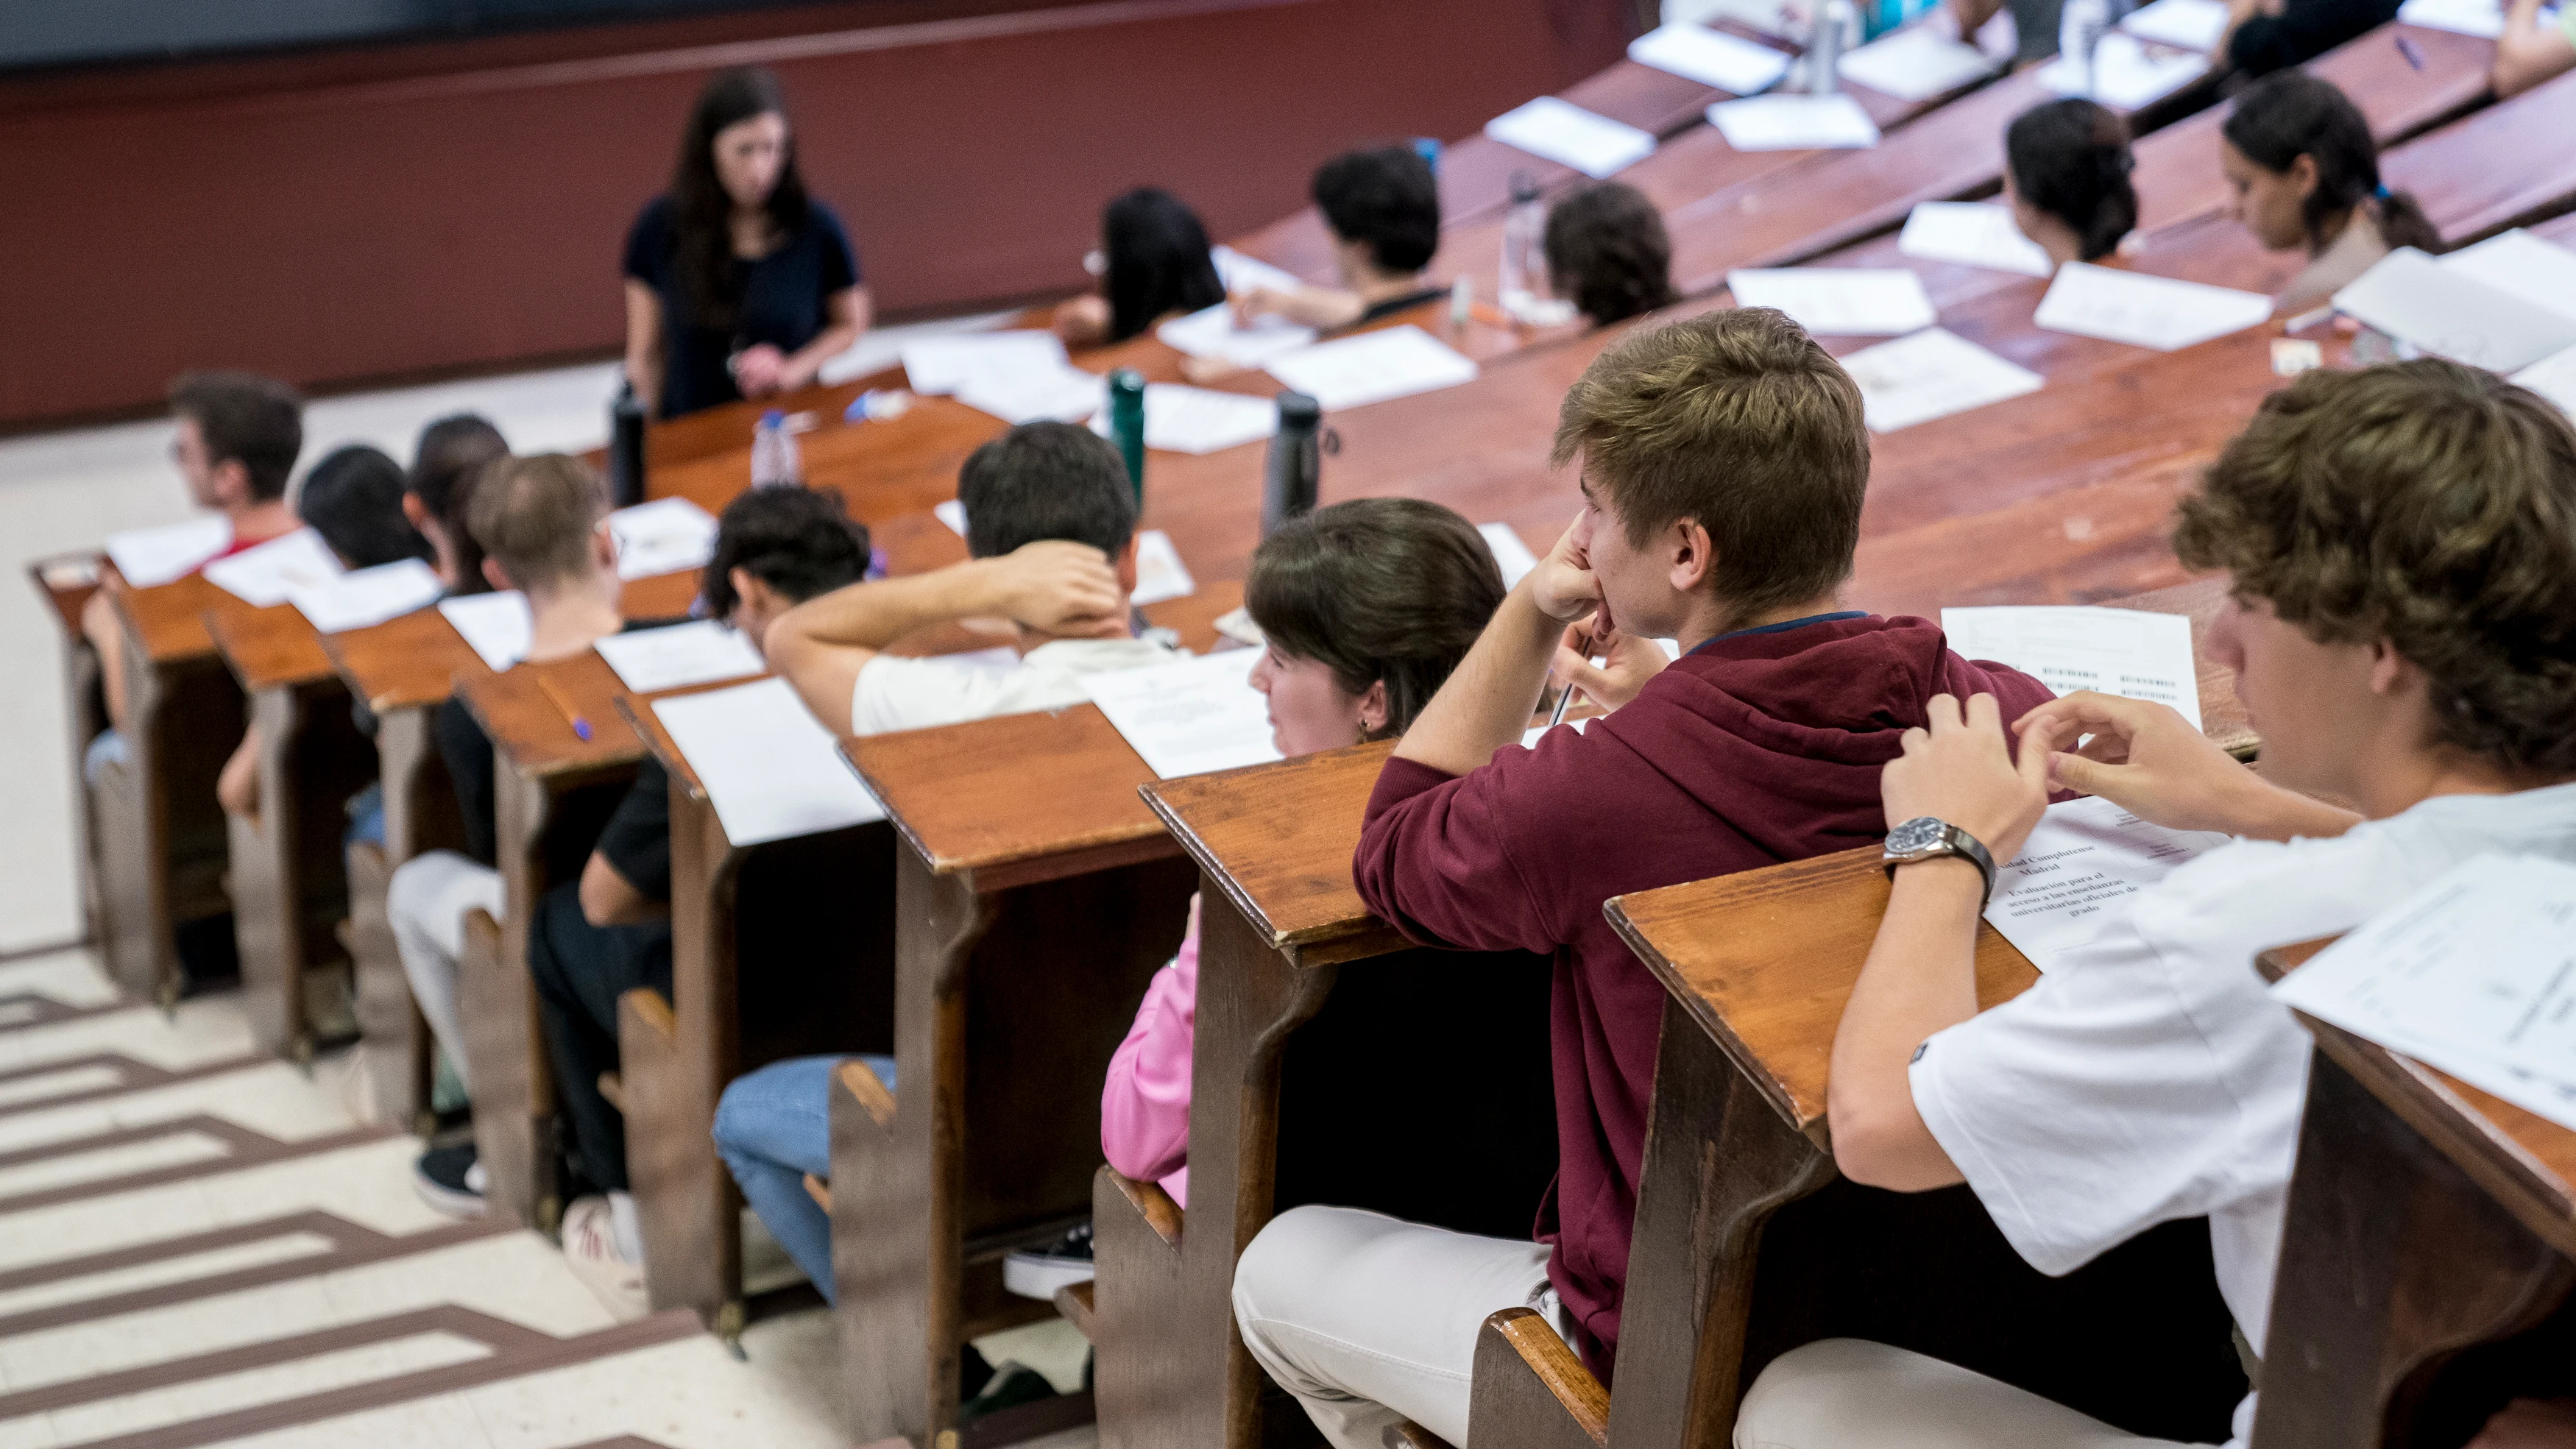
x=626, y=448
x=1296, y=468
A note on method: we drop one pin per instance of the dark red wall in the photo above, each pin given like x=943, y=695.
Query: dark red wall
x=340, y=217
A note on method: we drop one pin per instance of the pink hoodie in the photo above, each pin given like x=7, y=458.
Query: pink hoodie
x=1145, y=1107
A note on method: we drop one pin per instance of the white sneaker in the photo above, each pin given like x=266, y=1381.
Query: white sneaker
x=590, y=1250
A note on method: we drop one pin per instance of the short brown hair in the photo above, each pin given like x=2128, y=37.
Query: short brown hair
x=1608, y=253
x=244, y=418
x=534, y=516
x=2428, y=504
x=1739, y=420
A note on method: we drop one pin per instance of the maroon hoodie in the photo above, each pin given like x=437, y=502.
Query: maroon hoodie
x=1753, y=749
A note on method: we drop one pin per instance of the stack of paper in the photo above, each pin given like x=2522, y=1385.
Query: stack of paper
x=2157, y=312
x=1062, y=393
x=2481, y=18
x=1711, y=57
x=771, y=772
x=497, y=625
x=2553, y=377
x=365, y=597
x=1914, y=64
x=2126, y=74
x=2452, y=314
x=1372, y=367
x=662, y=537
x=1839, y=301
x=1192, y=717
x=1931, y=374
x=1571, y=136
x=936, y=366
x=2182, y=24
x=1794, y=123
x=1972, y=234
x=1782, y=19
x=1200, y=420
x=273, y=571
x=2126, y=652
x=149, y=557
x=2084, y=859
x=1511, y=555
x=2519, y=264
x=701, y=652
x=1213, y=332
x=1242, y=274
x=2475, y=974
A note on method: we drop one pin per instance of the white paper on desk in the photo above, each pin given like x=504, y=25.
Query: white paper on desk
x=2481, y=18
x=2083, y=860
x=2521, y=265
x=1392, y=362
x=2132, y=653
x=271, y=572
x=2553, y=377
x=1972, y=234
x=2474, y=974
x=1914, y=64
x=1511, y=555
x=1160, y=575
x=2417, y=300
x=1839, y=301
x=1213, y=332
x=699, y=652
x=361, y=598
x=1932, y=374
x=1794, y=123
x=952, y=513
x=1531, y=736
x=1711, y=57
x=150, y=557
x=2127, y=74
x=1198, y=420
x=770, y=770
x=936, y=366
x=1565, y=133
x=1192, y=717
x=1059, y=394
x=497, y=624
x=1240, y=273
x=2157, y=312
x=662, y=537
x=2182, y=24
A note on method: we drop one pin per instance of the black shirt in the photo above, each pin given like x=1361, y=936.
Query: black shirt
x=468, y=753
x=2304, y=30
x=636, y=841
x=780, y=300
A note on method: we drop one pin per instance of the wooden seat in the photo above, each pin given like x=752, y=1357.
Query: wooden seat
x=1533, y=1390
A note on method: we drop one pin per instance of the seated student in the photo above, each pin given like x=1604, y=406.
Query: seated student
x=1153, y=264
x=2035, y=25
x=449, y=451
x=541, y=524
x=1723, y=466
x=2403, y=627
x=2305, y=172
x=2264, y=36
x=2066, y=170
x=1383, y=207
x=1608, y=253
x=2530, y=52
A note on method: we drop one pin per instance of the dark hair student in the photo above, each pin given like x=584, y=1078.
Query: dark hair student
x=1387, y=201
x=2294, y=116
x=1046, y=481
x=353, y=498
x=1158, y=261
x=1608, y=253
x=2069, y=163
x=247, y=419
x=444, y=461
x=801, y=542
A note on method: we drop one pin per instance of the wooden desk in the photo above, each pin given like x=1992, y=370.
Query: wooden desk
x=2513, y=185
x=66, y=582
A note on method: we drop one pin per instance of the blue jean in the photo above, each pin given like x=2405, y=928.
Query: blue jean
x=367, y=816
x=773, y=1126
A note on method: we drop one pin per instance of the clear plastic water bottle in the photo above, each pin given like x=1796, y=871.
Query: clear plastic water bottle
x=2081, y=25
x=774, y=463
x=1835, y=29
x=1524, y=272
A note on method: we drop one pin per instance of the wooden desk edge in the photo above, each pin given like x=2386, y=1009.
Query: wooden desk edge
x=1005, y=870
x=221, y=625
x=1748, y=1064
x=1343, y=940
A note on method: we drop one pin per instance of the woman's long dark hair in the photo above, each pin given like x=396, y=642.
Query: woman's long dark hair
x=353, y=498
x=2290, y=114
x=702, y=209
x=2071, y=159
x=1158, y=261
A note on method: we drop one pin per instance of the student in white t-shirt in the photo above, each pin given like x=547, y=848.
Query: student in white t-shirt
x=1051, y=525
x=2402, y=545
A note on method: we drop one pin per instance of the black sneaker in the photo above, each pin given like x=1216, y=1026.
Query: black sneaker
x=1013, y=1384
x=1039, y=1272
x=450, y=1180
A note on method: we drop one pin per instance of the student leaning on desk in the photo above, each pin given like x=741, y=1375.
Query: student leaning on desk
x=1383, y=207
x=2402, y=548
x=1153, y=264
x=2304, y=170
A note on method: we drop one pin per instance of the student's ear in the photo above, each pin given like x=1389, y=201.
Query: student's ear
x=2303, y=174
x=415, y=512
x=232, y=483
x=1373, y=707
x=1126, y=563
x=1694, y=556
x=497, y=576
x=2390, y=673
x=603, y=548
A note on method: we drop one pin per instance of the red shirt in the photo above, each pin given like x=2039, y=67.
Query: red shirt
x=1753, y=749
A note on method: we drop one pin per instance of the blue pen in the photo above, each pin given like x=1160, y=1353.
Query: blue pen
x=572, y=716
x=2407, y=49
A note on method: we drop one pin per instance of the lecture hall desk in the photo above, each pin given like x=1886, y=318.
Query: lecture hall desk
x=66, y=582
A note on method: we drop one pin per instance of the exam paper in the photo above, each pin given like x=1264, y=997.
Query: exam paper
x=1711, y=57
x=1372, y=367
x=1931, y=374
x=364, y=597
x=150, y=557
x=2521, y=265
x=2128, y=652
x=1530, y=737
x=2481, y=18
x=2553, y=377
x=1213, y=332
x=1240, y=273
x=271, y=572
x=1839, y=301
x=1565, y=133
x=1192, y=717
x=662, y=537
x=2073, y=877
x=699, y=652
x=2126, y=74
x=1511, y=555
x=1198, y=420
x=768, y=768
x=1914, y=64
x=1972, y=234
x=2183, y=24
x=1159, y=572
x=2417, y=300
x=2475, y=974
x=1062, y=393
x=1794, y=123
x=496, y=624
x=935, y=366
x=2157, y=312
x=952, y=513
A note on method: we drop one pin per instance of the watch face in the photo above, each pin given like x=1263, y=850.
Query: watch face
x=1915, y=836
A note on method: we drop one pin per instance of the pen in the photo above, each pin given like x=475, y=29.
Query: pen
x=2407, y=49
x=580, y=726
x=1567, y=697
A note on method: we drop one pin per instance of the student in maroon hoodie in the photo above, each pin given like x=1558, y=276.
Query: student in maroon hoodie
x=1723, y=466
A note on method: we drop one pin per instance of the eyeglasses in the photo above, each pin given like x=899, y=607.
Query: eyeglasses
x=1096, y=262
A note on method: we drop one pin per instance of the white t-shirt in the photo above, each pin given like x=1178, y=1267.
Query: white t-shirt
x=2149, y=1077
x=896, y=693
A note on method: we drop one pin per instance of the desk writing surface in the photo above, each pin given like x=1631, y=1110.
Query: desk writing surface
x=169, y=618
x=1278, y=839
x=528, y=729
x=415, y=660
x=271, y=648
x=66, y=581
x=2489, y=174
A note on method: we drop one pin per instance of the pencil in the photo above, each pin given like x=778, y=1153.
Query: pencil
x=572, y=716
x=1567, y=698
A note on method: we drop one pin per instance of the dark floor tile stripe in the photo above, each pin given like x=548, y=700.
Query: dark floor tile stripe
x=46, y=1011
x=132, y=1076
x=250, y=1149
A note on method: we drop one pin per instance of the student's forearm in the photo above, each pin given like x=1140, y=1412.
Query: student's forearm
x=2270, y=812
x=1920, y=978
x=1487, y=702
x=875, y=614
x=98, y=624
x=807, y=363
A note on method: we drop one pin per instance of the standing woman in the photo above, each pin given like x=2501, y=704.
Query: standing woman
x=2305, y=172
x=737, y=284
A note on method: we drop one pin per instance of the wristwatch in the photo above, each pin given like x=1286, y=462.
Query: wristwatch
x=1928, y=837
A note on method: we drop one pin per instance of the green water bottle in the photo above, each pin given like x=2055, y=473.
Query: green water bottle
x=1127, y=425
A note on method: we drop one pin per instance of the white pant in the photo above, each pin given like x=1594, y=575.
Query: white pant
x=1843, y=1393
x=427, y=901
x=1370, y=1321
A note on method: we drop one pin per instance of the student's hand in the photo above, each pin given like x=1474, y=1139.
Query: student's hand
x=1058, y=586
x=1083, y=321
x=1627, y=663
x=1961, y=770
x=2530, y=1424
x=1563, y=585
x=1260, y=302
x=760, y=370
x=2145, y=758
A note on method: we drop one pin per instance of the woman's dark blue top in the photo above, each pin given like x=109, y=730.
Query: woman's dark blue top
x=781, y=300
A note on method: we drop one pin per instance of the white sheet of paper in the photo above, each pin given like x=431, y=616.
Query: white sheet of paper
x=1212, y=332
x=497, y=624
x=1932, y=374
x=2553, y=377
x=2417, y=300
x=1192, y=717
x=2083, y=860
x=699, y=652
x=1372, y=367
x=1780, y=19
x=1839, y=301
x=1712, y=57
x=2474, y=974
x=364, y=597
x=936, y=366
x=2183, y=24
x=1241, y=273
x=2521, y=265
x=662, y=537
x=1913, y=64
x=2157, y=312
x=1511, y=555
x=952, y=513
x=1530, y=737
x=1160, y=575
x=1794, y=123
x=2128, y=652
x=1565, y=133
x=1198, y=420
x=150, y=557
x=2127, y=74
x=1060, y=394
x=271, y=572
x=1972, y=234
x=2481, y=18
x=771, y=771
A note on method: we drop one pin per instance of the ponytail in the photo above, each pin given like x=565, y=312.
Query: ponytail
x=2402, y=222
x=2290, y=114
x=2071, y=159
